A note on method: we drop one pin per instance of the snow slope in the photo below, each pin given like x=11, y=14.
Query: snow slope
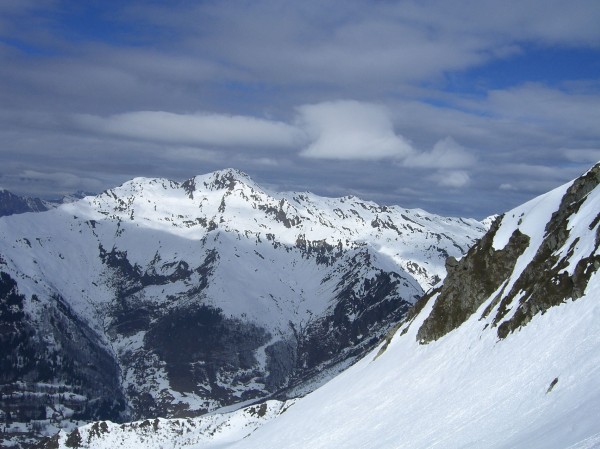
x=537, y=386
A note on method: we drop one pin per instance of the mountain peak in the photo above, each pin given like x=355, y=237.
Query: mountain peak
x=227, y=178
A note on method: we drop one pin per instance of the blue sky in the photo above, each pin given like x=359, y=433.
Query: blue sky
x=457, y=107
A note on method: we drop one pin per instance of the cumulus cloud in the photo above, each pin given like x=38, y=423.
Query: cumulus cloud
x=446, y=154
x=200, y=128
x=351, y=130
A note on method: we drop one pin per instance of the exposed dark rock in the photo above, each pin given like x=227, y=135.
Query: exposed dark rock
x=280, y=215
x=47, y=443
x=365, y=309
x=469, y=282
x=190, y=187
x=281, y=361
x=552, y=385
x=544, y=283
x=326, y=253
x=53, y=360
x=226, y=179
x=200, y=346
x=74, y=439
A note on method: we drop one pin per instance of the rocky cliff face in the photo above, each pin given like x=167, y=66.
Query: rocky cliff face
x=159, y=298
x=533, y=258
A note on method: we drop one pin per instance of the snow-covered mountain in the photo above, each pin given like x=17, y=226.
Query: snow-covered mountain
x=169, y=299
x=504, y=354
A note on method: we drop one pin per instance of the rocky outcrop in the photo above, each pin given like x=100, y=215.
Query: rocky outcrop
x=470, y=281
x=559, y=269
x=545, y=282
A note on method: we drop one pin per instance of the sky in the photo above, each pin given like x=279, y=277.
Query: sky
x=463, y=108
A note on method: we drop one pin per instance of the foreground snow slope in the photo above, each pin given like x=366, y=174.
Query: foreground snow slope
x=461, y=391
x=533, y=384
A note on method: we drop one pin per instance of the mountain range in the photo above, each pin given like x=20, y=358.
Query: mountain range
x=504, y=353
x=11, y=204
x=161, y=299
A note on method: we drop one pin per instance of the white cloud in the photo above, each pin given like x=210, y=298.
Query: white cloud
x=351, y=130
x=446, y=154
x=200, y=128
x=454, y=179
x=507, y=186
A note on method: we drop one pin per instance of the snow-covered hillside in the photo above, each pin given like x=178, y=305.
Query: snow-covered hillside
x=504, y=354
x=159, y=298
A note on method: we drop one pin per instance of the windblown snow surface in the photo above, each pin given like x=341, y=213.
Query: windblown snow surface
x=537, y=388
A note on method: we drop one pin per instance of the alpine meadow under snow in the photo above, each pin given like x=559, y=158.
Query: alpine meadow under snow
x=503, y=354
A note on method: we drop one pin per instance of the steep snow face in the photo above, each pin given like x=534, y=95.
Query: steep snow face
x=535, y=386
x=211, y=292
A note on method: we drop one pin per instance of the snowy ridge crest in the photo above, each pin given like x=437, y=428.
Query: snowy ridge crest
x=229, y=200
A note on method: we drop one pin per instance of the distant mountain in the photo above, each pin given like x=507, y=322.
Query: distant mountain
x=169, y=299
x=504, y=354
x=11, y=204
